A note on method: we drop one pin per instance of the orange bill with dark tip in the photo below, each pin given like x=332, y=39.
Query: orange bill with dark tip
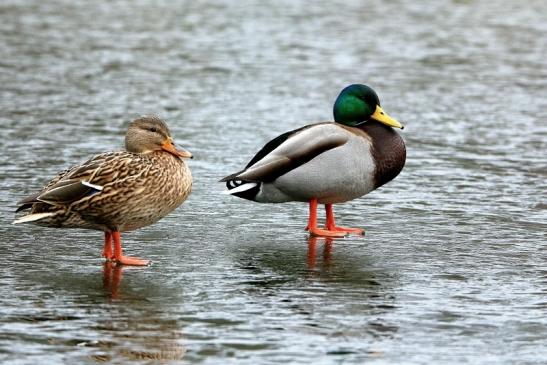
x=169, y=146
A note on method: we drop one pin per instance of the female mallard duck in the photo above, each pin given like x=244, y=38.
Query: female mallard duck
x=117, y=191
x=328, y=162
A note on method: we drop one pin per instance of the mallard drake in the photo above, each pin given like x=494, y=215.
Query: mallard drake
x=117, y=191
x=327, y=163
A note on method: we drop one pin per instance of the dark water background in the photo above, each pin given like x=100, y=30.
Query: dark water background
x=453, y=268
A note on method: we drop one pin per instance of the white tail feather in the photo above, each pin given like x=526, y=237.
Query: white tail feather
x=32, y=217
x=240, y=188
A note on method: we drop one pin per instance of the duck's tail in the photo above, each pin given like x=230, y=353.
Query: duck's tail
x=234, y=189
x=241, y=188
x=33, y=217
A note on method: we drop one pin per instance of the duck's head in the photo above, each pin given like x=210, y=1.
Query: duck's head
x=357, y=104
x=148, y=134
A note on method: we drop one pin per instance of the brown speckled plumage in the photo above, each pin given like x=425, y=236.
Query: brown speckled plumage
x=138, y=190
x=117, y=191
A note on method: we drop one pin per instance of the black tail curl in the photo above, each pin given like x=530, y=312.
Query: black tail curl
x=247, y=194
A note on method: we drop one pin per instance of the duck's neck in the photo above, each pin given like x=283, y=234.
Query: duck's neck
x=164, y=156
x=388, y=151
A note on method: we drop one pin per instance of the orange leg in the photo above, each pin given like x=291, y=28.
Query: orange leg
x=120, y=258
x=330, y=225
x=312, y=219
x=312, y=224
x=107, y=250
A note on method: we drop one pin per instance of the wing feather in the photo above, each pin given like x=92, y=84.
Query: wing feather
x=87, y=179
x=296, y=149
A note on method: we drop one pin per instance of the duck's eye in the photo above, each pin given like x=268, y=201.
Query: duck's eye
x=153, y=129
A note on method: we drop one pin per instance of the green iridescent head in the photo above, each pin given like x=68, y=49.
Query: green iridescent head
x=357, y=104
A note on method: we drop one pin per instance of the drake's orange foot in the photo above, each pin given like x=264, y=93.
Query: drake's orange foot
x=132, y=261
x=356, y=231
x=330, y=224
x=318, y=232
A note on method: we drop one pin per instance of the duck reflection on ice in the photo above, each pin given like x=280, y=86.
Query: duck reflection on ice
x=312, y=254
x=134, y=329
x=112, y=277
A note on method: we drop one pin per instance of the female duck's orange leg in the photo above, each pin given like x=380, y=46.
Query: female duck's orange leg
x=120, y=258
x=330, y=224
x=107, y=249
x=312, y=224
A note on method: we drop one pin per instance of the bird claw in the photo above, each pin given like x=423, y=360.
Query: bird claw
x=318, y=232
x=131, y=261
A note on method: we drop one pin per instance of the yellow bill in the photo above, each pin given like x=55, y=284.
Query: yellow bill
x=382, y=117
